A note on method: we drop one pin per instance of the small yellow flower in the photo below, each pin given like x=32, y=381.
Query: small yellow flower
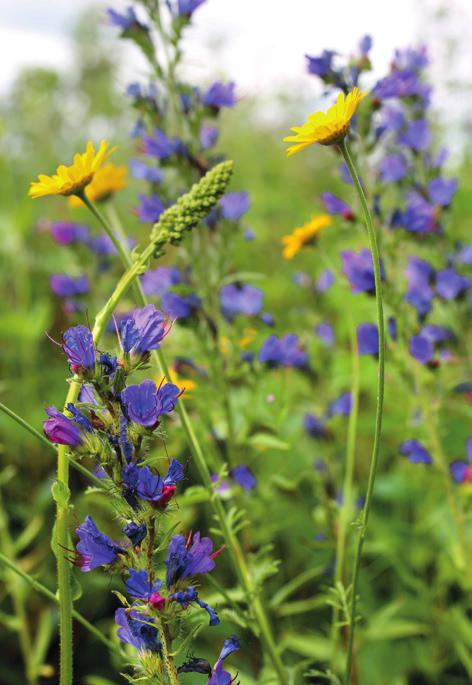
x=71, y=180
x=107, y=180
x=327, y=128
x=185, y=385
x=248, y=336
x=304, y=235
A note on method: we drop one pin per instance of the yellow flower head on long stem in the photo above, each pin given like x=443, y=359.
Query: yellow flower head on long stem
x=106, y=180
x=304, y=235
x=326, y=128
x=71, y=180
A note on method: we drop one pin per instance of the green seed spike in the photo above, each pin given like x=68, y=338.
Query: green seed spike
x=191, y=208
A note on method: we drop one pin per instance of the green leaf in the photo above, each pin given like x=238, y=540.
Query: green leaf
x=267, y=441
x=60, y=493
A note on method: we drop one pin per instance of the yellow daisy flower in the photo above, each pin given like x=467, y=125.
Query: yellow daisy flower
x=304, y=235
x=71, y=180
x=185, y=385
x=107, y=180
x=327, y=128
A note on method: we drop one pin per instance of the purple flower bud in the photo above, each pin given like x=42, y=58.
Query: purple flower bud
x=234, y=205
x=450, y=284
x=158, y=145
x=144, y=330
x=150, y=208
x=285, y=351
x=334, y=205
x=208, y=136
x=325, y=332
x=417, y=136
x=179, y=306
x=341, y=406
x=64, y=285
x=421, y=348
x=187, y=7
x=220, y=95
x=442, y=190
x=368, y=339
x=95, y=548
x=322, y=65
x=239, y=298
x=157, y=281
x=79, y=347
x=244, y=477
x=61, y=430
x=136, y=629
x=141, y=170
x=184, y=561
x=359, y=269
x=415, y=452
x=393, y=168
x=68, y=233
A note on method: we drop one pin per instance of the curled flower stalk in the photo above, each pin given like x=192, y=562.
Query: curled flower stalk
x=380, y=399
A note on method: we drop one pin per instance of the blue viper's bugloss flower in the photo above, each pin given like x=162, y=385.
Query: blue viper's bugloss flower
x=419, y=215
x=185, y=597
x=80, y=419
x=244, y=477
x=417, y=136
x=180, y=306
x=334, y=205
x=315, y=426
x=125, y=21
x=359, y=269
x=61, y=430
x=144, y=330
x=365, y=45
x=64, y=285
x=450, y=284
x=159, y=145
x=421, y=348
x=368, y=339
x=184, y=561
x=68, y=233
x=144, y=403
x=139, y=129
x=139, y=586
x=416, y=452
x=234, y=205
x=393, y=168
x=143, y=171
x=188, y=7
x=220, y=95
x=437, y=334
x=285, y=351
x=95, y=548
x=321, y=65
x=398, y=84
x=411, y=58
x=157, y=281
x=325, y=332
x=441, y=190
x=419, y=272
x=465, y=255
x=150, y=208
x=135, y=532
x=79, y=348
x=461, y=471
x=239, y=298
x=340, y=406
x=102, y=245
x=218, y=676
x=141, y=482
x=208, y=136
x=325, y=281
x=136, y=629
x=392, y=119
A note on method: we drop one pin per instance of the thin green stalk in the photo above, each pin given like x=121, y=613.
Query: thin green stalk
x=15, y=590
x=346, y=507
x=31, y=429
x=380, y=397
x=42, y=589
x=239, y=562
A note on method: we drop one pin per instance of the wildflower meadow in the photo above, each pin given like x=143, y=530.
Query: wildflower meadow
x=236, y=384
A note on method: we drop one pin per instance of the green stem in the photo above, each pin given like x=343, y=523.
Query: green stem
x=346, y=507
x=239, y=562
x=166, y=644
x=42, y=589
x=380, y=397
x=31, y=429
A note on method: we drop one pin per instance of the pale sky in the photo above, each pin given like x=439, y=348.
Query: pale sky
x=258, y=43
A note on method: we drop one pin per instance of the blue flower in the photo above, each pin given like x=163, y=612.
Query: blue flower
x=341, y=406
x=125, y=21
x=186, y=597
x=95, y=548
x=437, y=334
x=234, y=205
x=140, y=586
x=144, y=330
x=144, y=403
x=334, y=205
x=239, y=298
x=392, y=119
x=419, y=215
x=208, y=136
x=79, y=418
x=316, y=427
x=79, y=348
x=220, y=95
x=141, y=170
x=325, y=331
x=244, y=477
x=450, y=284
x=159, y=145
x=368, y=339
x=417, y=136
x=218, y=676
x=68, y=233
x=393, y=168
x=137, y=629
x=157, y=281
x=465, y=255
x=285, y=351
x=135, y=532
x=184, y=561
x=322, y=65
x=359, y=269
x=180, y=306
x=416, y=453
x=150, y=208
x=441, y=190
x=421, y=348
x=61, y=430
x=365, y=45
x=188, y=7
x=325, y=281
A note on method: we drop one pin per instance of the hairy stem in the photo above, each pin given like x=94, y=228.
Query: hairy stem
x=379, y=411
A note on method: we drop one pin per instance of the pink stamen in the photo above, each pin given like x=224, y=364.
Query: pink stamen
x=52, y=339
